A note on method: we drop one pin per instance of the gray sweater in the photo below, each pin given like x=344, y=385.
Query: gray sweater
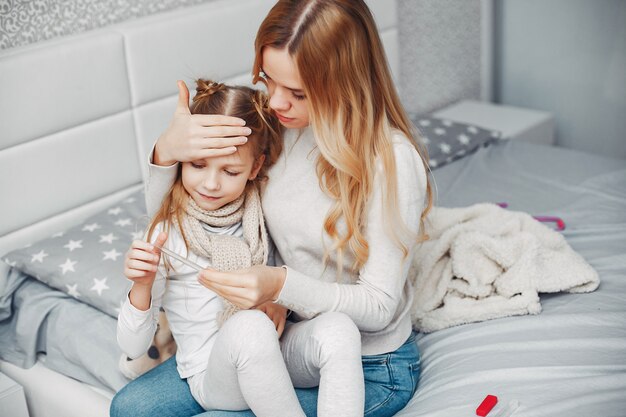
x=378, y=297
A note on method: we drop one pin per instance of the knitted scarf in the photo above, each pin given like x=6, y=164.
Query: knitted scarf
x=225, y=252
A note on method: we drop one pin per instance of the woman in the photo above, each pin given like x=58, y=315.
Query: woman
x=344, y=204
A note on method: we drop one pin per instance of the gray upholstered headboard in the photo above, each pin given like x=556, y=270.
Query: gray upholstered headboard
x=78, y=114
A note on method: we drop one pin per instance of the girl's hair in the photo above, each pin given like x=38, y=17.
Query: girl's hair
x=266, y=139
x=353, y=107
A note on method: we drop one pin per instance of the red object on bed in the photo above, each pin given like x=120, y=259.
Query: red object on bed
x=485, y=407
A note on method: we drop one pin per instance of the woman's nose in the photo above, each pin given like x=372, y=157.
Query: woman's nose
x=278, y=101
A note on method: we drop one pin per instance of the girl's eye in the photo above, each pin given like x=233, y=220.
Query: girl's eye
x=298, y=97
x=232, y=173
x=197, y=166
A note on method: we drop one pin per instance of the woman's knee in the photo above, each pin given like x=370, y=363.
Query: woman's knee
x=128, y=403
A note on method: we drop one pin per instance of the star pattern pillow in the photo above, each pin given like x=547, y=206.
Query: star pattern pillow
x=447, y=141
x=87, y=261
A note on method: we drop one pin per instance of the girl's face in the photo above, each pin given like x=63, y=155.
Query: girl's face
x=284, y=86
x=215, y=182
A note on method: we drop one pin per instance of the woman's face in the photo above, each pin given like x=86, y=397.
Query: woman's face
x=287, y=98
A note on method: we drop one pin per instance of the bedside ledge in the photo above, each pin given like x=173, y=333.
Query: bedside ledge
x=513, y=122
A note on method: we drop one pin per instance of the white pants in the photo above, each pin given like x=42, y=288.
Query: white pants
x=250, y=368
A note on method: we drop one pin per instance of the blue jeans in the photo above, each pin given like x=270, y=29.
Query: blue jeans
x=390, y=381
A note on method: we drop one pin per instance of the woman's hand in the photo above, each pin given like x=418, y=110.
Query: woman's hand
x=276, y=313
x=246, y=288
x=140, y=266
x=197, y=136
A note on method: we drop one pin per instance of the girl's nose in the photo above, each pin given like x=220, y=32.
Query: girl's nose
x=211, y=182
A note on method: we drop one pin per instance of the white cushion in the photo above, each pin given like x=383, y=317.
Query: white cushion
x=60, y=84
x=53, y=174
x=198, y=42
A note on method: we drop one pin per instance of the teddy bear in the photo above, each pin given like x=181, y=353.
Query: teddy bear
x=162, y=348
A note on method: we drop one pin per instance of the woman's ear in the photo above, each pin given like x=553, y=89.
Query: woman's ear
x=256, y=167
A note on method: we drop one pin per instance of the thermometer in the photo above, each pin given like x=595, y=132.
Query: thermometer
x=180, y=258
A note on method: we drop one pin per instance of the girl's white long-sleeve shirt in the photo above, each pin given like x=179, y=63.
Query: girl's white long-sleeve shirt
x=378, y=297
x=191, y=309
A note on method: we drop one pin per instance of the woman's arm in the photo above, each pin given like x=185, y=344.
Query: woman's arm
x=158, y=183
x=373, y=300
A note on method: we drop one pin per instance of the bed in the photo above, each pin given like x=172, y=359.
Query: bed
x=102, y=100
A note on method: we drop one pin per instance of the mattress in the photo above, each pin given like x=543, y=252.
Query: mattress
x=568, y=360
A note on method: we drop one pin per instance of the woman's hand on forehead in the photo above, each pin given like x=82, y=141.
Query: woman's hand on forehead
x=198, y=136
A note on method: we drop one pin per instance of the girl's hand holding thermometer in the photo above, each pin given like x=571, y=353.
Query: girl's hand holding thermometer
x=142, y=260
x=140, y=266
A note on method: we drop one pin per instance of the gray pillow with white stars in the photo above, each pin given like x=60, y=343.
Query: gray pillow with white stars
x=87, y=261
x=447, y=141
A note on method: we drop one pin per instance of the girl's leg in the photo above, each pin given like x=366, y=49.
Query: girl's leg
x=159, y=392
x=306, y=396
x=390, y=382
x=326, y=350
x=246, y=370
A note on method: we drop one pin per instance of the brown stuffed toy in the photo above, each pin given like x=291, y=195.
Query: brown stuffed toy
x=162, y=348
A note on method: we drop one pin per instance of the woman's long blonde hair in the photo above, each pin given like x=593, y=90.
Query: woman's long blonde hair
x=265, y=139
x=353, y=107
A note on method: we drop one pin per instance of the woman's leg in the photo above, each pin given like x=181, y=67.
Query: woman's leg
x=391, y=379
x=246, y=370
x=159, y=392
x=326, y=350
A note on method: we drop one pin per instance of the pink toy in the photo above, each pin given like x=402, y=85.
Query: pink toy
x=560, y=224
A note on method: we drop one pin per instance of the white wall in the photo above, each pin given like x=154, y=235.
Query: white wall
x=567, y=57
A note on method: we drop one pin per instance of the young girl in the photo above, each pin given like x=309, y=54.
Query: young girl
x=212, y=216
x=345, y=202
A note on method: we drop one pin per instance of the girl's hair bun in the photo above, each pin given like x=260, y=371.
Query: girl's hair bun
x=206, y=88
